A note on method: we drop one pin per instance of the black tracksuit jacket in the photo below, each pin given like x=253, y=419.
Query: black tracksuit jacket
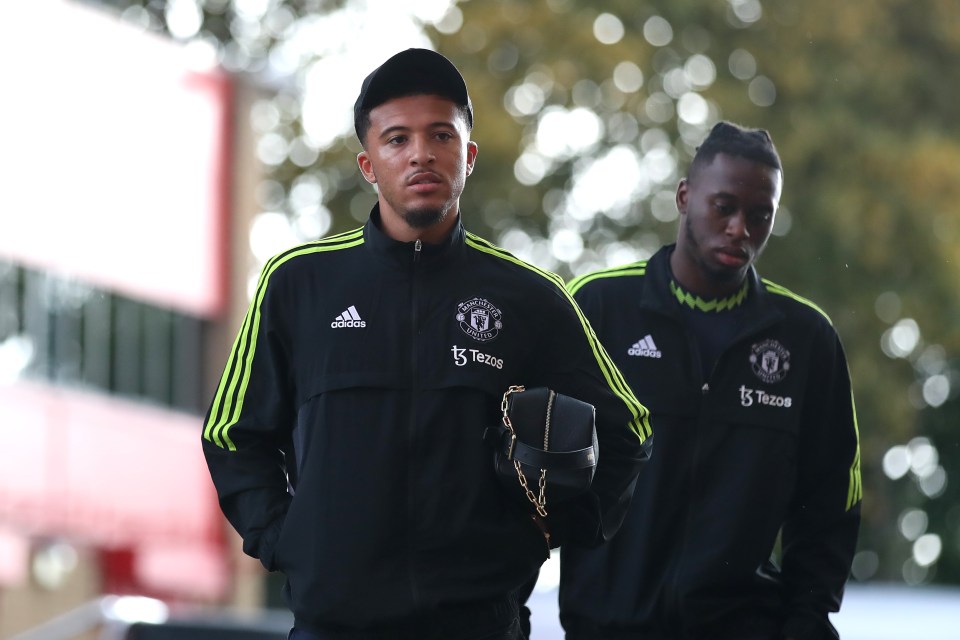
x=363, y=377
x=767, y=442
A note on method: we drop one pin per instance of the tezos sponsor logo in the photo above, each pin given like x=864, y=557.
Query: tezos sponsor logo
x=462, y=355
x=770, y=361
x=479, y=319
x=749, y=397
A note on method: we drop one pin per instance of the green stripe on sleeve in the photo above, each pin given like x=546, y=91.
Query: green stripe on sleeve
x=855, y=489
x=228, y=401
x=855, y=483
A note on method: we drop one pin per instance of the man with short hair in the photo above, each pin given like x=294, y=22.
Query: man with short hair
x=757, y=441
x=346, y=437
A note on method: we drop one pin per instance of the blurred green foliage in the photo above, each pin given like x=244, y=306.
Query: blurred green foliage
x=861, y=100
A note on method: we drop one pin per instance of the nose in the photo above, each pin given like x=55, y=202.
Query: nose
x=737, y=225
x=422, y=151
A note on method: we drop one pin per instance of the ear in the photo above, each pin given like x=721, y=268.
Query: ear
x=366, y=167
x=683, y=191
x=472, y=150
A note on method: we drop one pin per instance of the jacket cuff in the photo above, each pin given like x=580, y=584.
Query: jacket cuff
x=267, y=544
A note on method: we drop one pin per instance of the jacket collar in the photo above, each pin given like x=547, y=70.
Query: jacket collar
x=404, y=253
x=656, y=294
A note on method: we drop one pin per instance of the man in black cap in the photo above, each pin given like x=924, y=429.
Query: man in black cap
x=346, y=436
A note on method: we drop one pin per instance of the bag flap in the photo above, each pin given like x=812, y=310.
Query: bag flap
x=572, y=421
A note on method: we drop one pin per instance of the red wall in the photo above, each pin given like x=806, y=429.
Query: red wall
x=115, y=475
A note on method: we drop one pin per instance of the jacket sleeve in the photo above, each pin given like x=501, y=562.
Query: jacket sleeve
x=576, y=364
x=248, y=423
x=820, y=533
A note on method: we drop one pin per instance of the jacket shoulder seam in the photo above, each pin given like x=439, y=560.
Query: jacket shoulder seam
x=633, y=269
x=780, y=290
x=485, y=246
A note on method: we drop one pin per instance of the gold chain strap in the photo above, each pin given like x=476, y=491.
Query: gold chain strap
x=538, y=502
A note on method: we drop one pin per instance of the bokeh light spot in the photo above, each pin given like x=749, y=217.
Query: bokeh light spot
x=693, y=108
x=762, y=92
x=659, y=107
x=700, y=71
x=887, y=306
x=628, y=77
x=566, y=245
x=926, y=549
x=608, y=29
x=936, y=390
x=184, y=18
x=913, y=523
x=270, y=233
x=896, y=462
x=901, y=339
x=746, y=11
x=865, y=565
x=657, y=31
x=742, y=64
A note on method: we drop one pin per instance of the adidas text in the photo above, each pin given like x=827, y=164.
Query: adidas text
x=349, y=318
x=645, y=348
x=337, y=324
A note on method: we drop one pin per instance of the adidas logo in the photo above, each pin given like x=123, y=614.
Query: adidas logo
x=645, y=347
x=349, y=318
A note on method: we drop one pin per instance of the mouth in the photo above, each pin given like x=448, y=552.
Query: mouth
x=732, y=257
x=424, y=181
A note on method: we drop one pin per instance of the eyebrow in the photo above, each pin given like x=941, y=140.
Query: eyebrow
x=729, y=196
x=440, y=124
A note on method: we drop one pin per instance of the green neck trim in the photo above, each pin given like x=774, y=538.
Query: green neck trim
x=709, y=306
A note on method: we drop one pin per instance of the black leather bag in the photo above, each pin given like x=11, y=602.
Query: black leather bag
x=546, y=447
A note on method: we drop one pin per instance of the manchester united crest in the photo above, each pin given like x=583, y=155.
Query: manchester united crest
x=770, y=361
x=479, y=319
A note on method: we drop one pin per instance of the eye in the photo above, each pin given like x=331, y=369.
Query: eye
x=396, y=139
x=724, y=208
x=445, y=136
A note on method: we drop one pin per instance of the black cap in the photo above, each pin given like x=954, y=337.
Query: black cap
x=412, y=72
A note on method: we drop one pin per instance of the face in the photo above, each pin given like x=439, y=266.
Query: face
x=726, y=214
x=417, y=151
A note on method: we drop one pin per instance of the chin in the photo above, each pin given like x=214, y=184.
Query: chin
x=424, y=218
x=728, y=276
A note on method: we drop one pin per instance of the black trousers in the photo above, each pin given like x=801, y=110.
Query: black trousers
x=495, y=620
x=580, y=629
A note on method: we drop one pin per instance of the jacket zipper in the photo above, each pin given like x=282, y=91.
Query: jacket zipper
x=413, y=439
x=674, y=596
x=704, y=392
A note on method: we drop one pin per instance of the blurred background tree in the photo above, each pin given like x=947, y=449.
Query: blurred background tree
x=587, y=114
